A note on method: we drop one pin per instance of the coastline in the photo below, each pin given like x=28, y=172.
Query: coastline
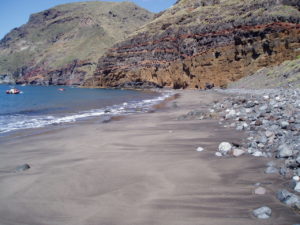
x=36, y=124
x=142, y=169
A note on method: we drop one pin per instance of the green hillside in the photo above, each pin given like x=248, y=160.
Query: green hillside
x=54, y=38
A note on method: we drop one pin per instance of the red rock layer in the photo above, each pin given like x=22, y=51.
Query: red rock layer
x=191, y=60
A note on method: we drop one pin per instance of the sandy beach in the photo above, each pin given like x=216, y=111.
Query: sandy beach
x=141, y=170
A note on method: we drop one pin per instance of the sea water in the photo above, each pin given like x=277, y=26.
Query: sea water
x=44, y=106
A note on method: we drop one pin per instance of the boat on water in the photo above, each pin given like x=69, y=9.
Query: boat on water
x=13, y=91
x=61, y=89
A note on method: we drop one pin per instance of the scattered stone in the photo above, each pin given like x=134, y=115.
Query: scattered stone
x=199, y=149
x=296, y=178
x=219, y=154
x=271, y=170
x=298, y=171
x=225, y=148
x=262, y=212
x=262, y=140
x=266, y=97
x=230, y=114
x=271, y=119
x=297, y=187
x=238, y=152
x=284, y=124
x=23, y=167
x=292, y=184
x=258, y=123
x=288, y=198
x=269, y=134
x=284, y=151
x=260, y=191
x=250, y=105
x=283, y=171
x=291, y=163
x=257, y=154
x=271, y=163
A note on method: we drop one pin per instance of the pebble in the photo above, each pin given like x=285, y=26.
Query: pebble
x=238, y=152
x=22, y=168
x=296, y=178
x=284, y=124
x=199, y=149
x=258, y=123
x=271, y=170
x=225, y=148
x=284, y=151
x=260, y=191
x=298, y=172
x=262, y=212
x=219, y=154
x=266, y=97
x=283, y=171
x=297, y=187
x=269, y=134
x=257, y=154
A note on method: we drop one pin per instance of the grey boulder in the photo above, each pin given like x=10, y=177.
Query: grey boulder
x=262, y=212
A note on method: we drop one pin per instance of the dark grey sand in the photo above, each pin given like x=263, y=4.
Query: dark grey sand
x=141, y=170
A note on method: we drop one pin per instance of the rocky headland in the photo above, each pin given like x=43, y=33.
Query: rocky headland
x=198, y=42
x=62, y=45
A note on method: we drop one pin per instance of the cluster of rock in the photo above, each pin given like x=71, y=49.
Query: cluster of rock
x=272, y=120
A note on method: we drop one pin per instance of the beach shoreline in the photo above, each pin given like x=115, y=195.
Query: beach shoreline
x=38, y=124
x=142, y=169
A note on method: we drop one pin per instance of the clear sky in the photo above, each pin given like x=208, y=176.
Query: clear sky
x=14, y=13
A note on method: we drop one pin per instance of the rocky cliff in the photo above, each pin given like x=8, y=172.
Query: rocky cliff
x=63, y=44
x=196, y=42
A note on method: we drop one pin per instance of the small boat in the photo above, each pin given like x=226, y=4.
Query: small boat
x=13, y=91
x=61, y=89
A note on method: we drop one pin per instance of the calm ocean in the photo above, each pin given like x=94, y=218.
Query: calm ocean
x=40, y=106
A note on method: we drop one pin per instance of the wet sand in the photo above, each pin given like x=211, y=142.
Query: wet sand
x=141, y=170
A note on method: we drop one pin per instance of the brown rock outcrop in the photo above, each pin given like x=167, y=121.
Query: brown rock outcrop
x=199, y=42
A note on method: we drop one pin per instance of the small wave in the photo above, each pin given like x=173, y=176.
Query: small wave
x=9, y=123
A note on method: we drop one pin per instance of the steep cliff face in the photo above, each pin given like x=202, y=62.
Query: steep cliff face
x=63, y=44
x=204, y=41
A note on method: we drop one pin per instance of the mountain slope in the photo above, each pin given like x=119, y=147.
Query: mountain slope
x=204, y=41
x=284, y=75
x=62, y=45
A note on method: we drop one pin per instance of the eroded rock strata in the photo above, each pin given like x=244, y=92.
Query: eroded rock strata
x=199, y=42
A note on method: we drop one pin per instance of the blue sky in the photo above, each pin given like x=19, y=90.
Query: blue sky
x=14, y=13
